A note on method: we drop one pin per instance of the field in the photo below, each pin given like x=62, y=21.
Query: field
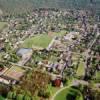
x=2, y=25
x=81, y=69
x=41, y=41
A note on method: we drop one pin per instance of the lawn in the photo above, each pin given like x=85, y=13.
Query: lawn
x=60, y=33
x=54, y=90
x=2, y=98
x=2, y=25
x=81, y=69
x=67, y=94
x=41, y=41
x=97, y=76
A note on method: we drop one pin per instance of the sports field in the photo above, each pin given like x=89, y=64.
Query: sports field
x=41, y=41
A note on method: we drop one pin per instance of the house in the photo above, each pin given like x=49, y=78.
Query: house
x=56, y=80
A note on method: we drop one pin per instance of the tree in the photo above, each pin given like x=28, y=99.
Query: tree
x=32, y=83
x=14, y=95
x=10, y=95
x=20, y=97
x=26, y=97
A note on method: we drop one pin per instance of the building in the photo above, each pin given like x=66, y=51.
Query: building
x=12, y=75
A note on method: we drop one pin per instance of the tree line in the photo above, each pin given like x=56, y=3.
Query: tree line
x=23, y=6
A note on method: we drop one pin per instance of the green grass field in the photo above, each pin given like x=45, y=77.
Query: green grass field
x=2, y=25
x=41, y=41
x=97, y=76
x=81, y=69
x=66, y=93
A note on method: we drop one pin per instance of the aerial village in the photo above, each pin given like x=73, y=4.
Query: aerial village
x=44, y=53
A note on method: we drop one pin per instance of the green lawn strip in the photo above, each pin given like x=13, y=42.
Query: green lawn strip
x=97, y=75
x=68, y=91
x=0, y=57
x=60, y=33
x=61, y=95
x=75, y=56
x=2, y=25
x=53, y=58
x=54, y=90
x=81, y=69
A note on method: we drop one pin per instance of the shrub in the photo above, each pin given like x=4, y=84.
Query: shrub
x=44, y=93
